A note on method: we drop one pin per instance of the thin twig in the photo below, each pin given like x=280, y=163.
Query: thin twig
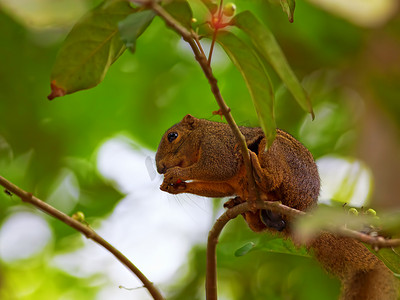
x=212, y=46
x=376, y=242
x=219, y=16
x=197, y=41
x=84, y=229
x=203, y=62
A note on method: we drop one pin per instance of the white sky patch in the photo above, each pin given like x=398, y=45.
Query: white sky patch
x=344, y=180
x=22, y=235
x=153, y=229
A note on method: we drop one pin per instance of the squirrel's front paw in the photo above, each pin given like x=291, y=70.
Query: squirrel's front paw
x=173, y=188
x=233, y=202
x=172, y=184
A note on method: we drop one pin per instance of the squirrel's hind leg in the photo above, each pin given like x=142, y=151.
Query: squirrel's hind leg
x=265, y=180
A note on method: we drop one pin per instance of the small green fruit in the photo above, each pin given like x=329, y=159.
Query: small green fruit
x=229, y=9
x=353, y=211
x=79, y=216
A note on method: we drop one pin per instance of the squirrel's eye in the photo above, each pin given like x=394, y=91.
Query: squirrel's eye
x=172, y=136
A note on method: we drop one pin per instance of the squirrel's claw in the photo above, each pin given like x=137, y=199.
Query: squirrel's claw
x=173, y=186
x=233, y=202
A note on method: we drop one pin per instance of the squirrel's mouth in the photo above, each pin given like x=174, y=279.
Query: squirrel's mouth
x=163, y=167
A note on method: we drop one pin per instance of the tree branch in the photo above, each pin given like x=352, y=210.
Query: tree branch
x=376, y=242
x=211, y=269
x=226, y=111
x=85, y=230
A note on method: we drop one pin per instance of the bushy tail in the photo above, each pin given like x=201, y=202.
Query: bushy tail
x=363, y=275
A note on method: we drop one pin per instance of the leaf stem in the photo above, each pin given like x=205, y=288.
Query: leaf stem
x=197, y=41
x=212, y=46
x=84, y=229
x=219, y=16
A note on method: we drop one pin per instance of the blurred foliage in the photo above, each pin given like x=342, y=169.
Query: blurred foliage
x=36, y=280
x=351, y=74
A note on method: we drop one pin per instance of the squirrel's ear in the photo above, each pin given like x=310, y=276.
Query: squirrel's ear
x=189, y=120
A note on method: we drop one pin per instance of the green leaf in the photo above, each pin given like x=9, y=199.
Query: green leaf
x=288, y=7
x=280, y=245
x=257, y=80
x=265, y=43
x=133, y=26
x=90, y=48
x=390, y=257
x=211, y=5
x=275, y=245
x=181, y=11
x=244, y=249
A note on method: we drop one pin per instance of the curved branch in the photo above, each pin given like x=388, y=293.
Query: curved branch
x=211, y=272
x=85, y=230
x=211, y=268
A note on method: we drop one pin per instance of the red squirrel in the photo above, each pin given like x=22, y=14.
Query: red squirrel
x=202, y=157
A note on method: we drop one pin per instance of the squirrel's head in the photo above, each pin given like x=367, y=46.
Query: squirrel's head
x=178, y=145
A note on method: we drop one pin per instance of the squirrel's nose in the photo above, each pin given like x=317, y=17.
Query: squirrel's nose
x=161, y=169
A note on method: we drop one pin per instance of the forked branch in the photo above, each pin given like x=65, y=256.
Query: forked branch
x=211, y=273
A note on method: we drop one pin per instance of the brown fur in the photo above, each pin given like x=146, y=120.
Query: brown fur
x=206, y=155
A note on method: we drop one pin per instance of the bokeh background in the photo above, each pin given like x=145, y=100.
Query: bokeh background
x=93, y=151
